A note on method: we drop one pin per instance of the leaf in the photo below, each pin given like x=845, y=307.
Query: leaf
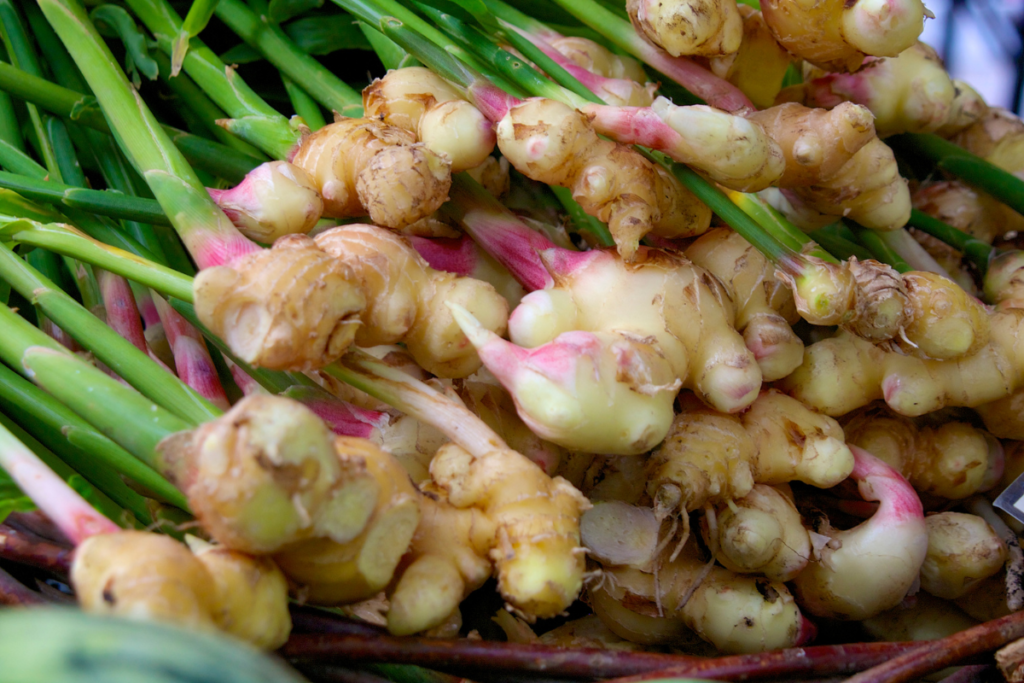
x=282, y=10
x=198, y=17
x=112, y=20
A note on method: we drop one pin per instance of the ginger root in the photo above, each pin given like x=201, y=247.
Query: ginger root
x=952, y=461
x=292, y=307
x=764, y=305
x=536, y=542
x=406, y=299
x=760, y=64
x=838, y=35
x=419, y=101
x=364, y=166
x=705, y=28
x=143, y=575
x=275, y=199
x=555, y=144
x=711, y=457
x=963, y=551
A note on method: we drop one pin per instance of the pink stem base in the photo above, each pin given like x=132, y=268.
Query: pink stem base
x=191, y=357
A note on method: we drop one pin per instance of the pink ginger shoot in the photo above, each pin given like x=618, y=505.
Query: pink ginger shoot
x=122, y=313
x=593, y=392
x=877, y=561
x=191, y=358
x=344, y=419
x=63, y=505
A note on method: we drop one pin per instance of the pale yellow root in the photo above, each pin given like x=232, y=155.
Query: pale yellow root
x=405, y=299
x=448, y=559
x=292, y=307
x=988, y=599
x=144, y=576
x=413, y=444
x=554, y=144
x=363, y=166
x=732, y=150
x=735, y=613
x=599, y=59
x=837, y=35
x=926, y=618
x=867, y=189
x=963, y=550
x=761, y=533
x=253, y=593
x=950, y=461
x=943, y=321
x=967, y=209
x=338, y=572
x=709, y=457
x=421, y=102
x=536, y=544
x=265, y=475
x=816, y=143
x=843, y=373
x=685, y=309
x=764, y=306
x=909, y=93
x=705, y=28
x=275, y=199
x=617, y=533
x=495, y=407
x=760, y=64
x=588, y=631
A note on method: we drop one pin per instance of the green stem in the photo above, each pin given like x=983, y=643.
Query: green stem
x=838, y=245
x=581, y=218
x=978, y=252
x=880, y=251
x=278, y=49
x=64, y=239
x=204, y=228
x=117, y=411
x=508, y=65
x=134, y=366
x=23, y=56
x=199, y=15
x=192, y=96
x=17, y=161
x=256, y=121
x=391, y=54
x=104, y=202
x=1004, y=186
x=305, y=106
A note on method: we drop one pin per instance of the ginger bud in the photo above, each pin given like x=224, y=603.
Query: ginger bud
x=253, y=594
x=882, y=301
x=144, y=576
x=704, y=28
x=943, y=321
x=265, y=475
x=292, y=307
x=599, y=59
x=364, y=166
x=274, y=200
x=963, y=551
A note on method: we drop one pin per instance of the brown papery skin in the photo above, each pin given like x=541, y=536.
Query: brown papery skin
x=405, y=299
x=363, y=166
x=550, y=142
x=292, y=307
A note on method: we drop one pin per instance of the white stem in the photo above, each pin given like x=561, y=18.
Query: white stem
x=913, y=253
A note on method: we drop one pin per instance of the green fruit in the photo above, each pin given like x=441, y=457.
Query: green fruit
x=63, y=645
